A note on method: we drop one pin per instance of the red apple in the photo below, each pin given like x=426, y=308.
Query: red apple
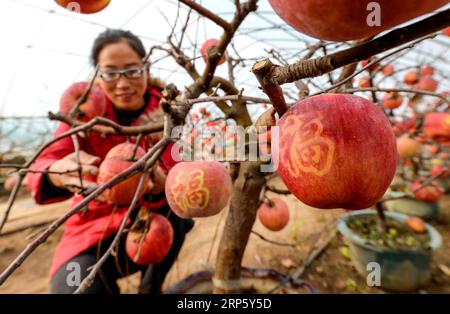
x=151, y=247
x=427, y=70
x=343, y=20
x=198, y=188
x=421, y=139
x=408, y=147
x=125, y=152
x=364, y=82
x=432, y=149
x=443, y=155
x=202, y=110
x=440, y=101
x=84, y=6
x=411, y=78
x=336, y=151
x=118, y=159
x=274, y=214
x=440, y=170
x=446, y=31
x=207, y=48
x=94, y=106
x=427, y=83
x=10, y=183
x=388, y=70
x=415, y=224
x=391, y=100
x=427, y=194
x=373, y=67
x=437, y=126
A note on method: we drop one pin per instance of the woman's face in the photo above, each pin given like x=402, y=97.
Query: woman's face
x=125, y=93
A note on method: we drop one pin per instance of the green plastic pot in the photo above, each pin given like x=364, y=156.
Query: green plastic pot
x=400, y=270
x=411, y=207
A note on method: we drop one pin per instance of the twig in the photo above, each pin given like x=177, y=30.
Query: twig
x=208, y=14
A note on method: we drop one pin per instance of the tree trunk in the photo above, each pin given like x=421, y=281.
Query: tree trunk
x=245, y=201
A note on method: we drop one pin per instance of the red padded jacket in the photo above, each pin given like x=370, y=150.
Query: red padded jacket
x=99, y=221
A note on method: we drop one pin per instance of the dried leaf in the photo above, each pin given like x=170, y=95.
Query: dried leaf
x=345, y=252
x=267, y=119
x=288, y=263
x=350, y=285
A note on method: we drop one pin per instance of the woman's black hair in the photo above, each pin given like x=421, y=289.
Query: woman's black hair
x=112, y=36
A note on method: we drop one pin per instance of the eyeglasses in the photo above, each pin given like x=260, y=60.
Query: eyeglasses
x=114, y=75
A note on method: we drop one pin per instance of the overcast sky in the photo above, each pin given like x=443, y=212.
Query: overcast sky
x=45, y=47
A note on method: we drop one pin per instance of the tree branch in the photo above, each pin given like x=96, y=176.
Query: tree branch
x=319, y=66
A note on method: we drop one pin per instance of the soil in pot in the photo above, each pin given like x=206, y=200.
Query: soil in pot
x=398, y=236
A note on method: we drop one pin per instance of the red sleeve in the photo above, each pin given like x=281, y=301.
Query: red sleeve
x=37, y=182
x=167, y=158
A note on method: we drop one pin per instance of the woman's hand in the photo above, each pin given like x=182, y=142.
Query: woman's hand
x=64, y=173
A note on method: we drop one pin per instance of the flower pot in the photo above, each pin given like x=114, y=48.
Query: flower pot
x=411, y=207
x=400, y=270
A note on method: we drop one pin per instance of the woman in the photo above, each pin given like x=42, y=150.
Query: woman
x=132, y=99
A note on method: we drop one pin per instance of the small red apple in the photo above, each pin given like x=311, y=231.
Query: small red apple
x=388, y=70
x=207, y=48
x=198, y=188
x=432, y=149
x=443, y=155
x=373, y=67
x=118, y=159
x=154, y=245
x=427, y=83
x=415, y=224
x=411, y=78
x=274, y=214
x=427, y=70
x=391, y=100
x=336, y=151
x=84, y=6
x=436, y=126
x=427, y=194
x=440, y=101
x=364, y=82
x=94, y=106
x=421, y=139
x=125, y=152
x=440, y=170
x=408, y=147
x=10, y=183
